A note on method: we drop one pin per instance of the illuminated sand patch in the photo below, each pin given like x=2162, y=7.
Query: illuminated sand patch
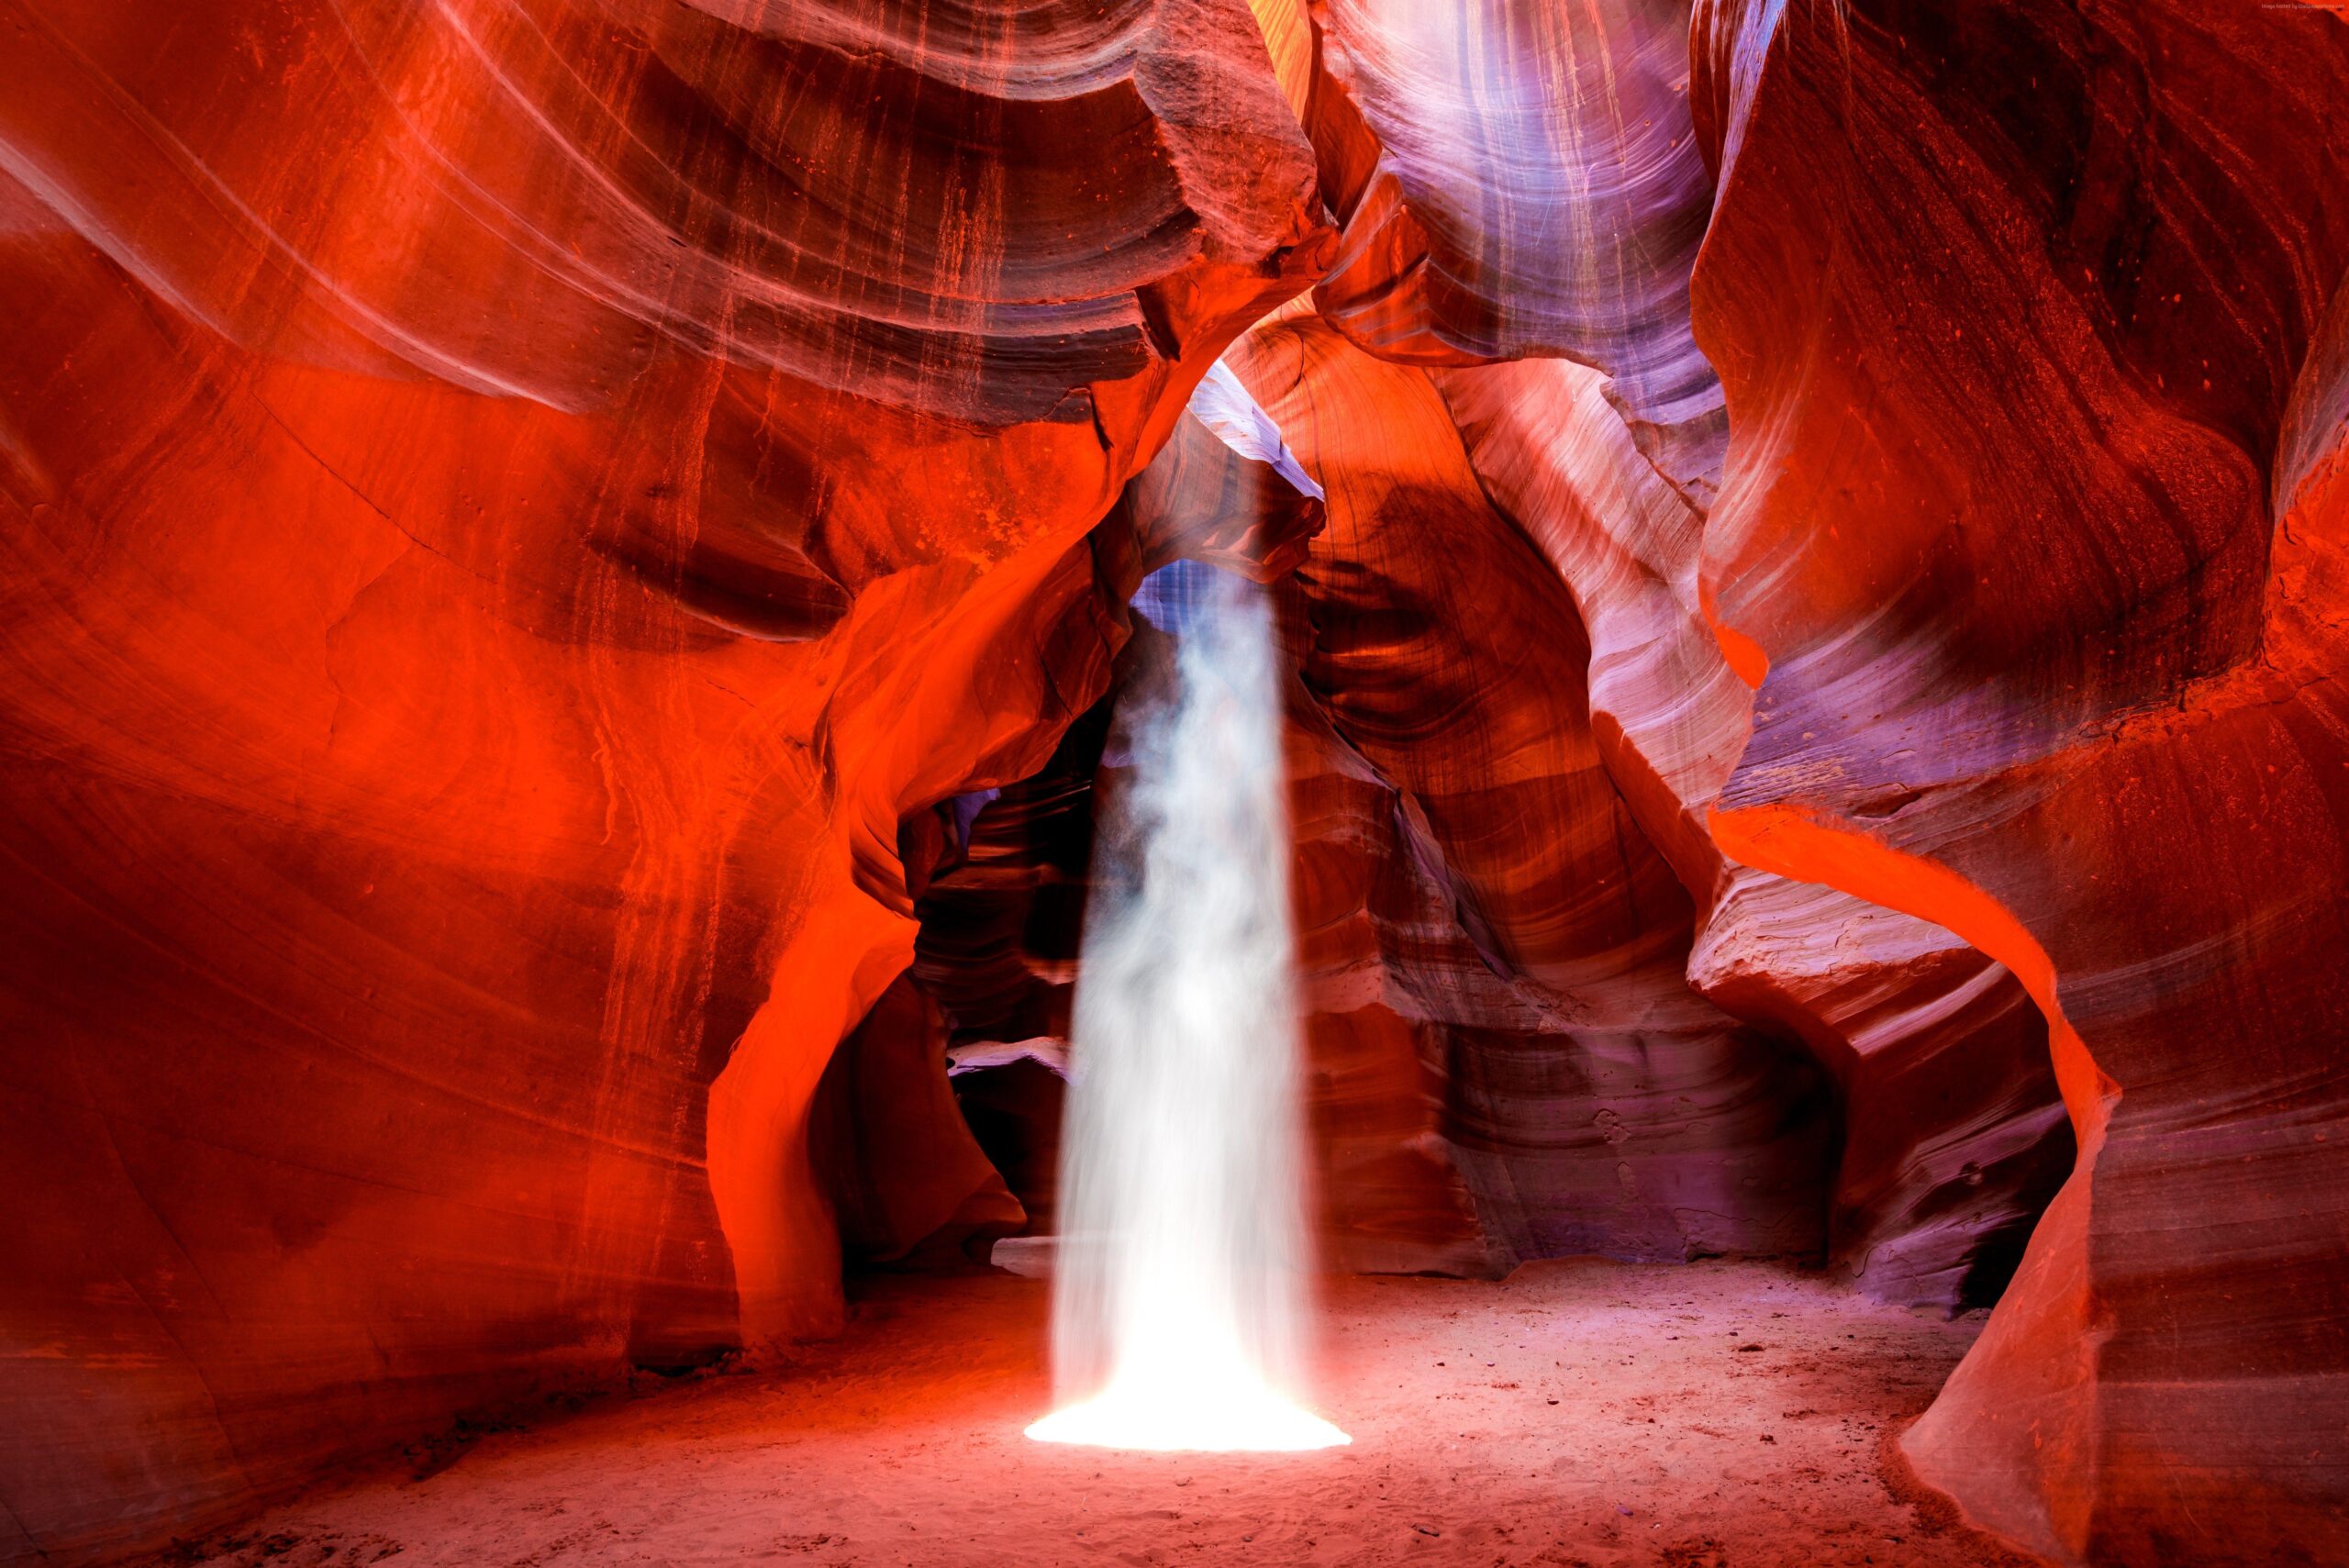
x=1189, y=1415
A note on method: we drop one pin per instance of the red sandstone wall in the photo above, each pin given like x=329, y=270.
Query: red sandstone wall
x=516, y=516
x=1572, y=231
x=1496, y=893
x=2011, y=524
x=2012, y=307
x=505, y=509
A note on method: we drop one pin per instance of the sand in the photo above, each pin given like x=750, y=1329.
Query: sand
x=1712, y=1416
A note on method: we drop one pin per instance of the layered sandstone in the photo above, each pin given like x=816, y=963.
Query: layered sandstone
x=1604, y=444
x=2029, y=535
x=564, y=566
x=508, y=508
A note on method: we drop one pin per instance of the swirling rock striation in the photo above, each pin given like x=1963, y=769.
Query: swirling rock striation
x=563, y=561
x=1953, y=1137
x=1512, y=911
x=1522, y=180
x=507, y=510
x=1505, y=1059
x=1526, y=184
x=2052, y=640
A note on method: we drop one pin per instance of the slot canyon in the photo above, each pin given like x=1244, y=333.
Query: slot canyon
x=577, y=583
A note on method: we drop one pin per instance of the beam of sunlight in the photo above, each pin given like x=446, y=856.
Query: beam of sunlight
x=1180, y=1286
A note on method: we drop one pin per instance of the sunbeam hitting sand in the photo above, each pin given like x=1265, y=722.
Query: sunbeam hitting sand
x=1179, y=1289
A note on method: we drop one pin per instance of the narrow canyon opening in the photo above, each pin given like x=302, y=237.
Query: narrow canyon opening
x=1514, y=1080
x=1508, y=1058
x=579, y=583
x=1414, y=1171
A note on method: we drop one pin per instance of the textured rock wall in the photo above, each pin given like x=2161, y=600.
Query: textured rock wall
x=534, y=539
x=1953, y=1140
x=506, y=507
x=1512, y=910
x=2015, y=307
x=1505, y=1059
x=2010, y=304
x=1444, y=1059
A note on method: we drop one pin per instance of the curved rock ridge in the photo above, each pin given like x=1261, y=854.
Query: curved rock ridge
x=1552, y=155
x=1522, y=180
x=873, y=197
x=508, y=508
x=2041, y=549
x=896, y=223
x=1953, y=1135
x=1510, y=910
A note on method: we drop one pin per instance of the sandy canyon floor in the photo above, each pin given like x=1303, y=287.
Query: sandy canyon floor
x=1713, y=1416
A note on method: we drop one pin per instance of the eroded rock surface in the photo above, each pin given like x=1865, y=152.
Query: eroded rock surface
x=560, y=561
x=1513, y=911
x=2046, y=597
x=506, y=509
x=1433, y=133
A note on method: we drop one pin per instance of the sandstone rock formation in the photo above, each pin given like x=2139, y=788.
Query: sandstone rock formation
x=1953, y=1135
x=1953, y=1142
x=508, y=508
x=2009, y=375
x=565, y=564
x=1513, y=912
x=1507, y=1061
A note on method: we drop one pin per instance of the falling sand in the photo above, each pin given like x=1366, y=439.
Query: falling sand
x=1709, y=1416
